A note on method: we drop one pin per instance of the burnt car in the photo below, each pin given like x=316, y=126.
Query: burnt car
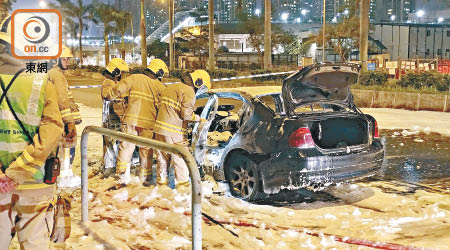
x=306, y=133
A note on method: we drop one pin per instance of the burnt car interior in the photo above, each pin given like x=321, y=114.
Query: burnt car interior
x=226, y=122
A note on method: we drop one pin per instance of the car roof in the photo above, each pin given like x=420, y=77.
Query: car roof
x=251, y=91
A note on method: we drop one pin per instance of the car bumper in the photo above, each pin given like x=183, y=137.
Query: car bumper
x=294, y=170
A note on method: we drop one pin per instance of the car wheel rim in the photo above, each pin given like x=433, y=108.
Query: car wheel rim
x=243, y=179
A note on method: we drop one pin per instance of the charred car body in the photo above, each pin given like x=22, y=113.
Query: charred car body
x=111, y=120
x=307, y=133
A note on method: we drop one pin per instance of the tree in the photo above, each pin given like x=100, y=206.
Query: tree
x=143, y=36
x=342, y=36
x=78, y=11
x=71, y=27
x=157, y=49
x=254, y=26
x=268, y=34
x=5, y=8
x=106, y=15
x=122, y=19
x=297, y=47
x=195, y=39
x=282, y=38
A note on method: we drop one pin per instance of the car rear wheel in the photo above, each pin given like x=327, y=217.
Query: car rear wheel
x=243, y=177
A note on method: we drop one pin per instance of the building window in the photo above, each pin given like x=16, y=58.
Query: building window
x=447, y=50
x=428, y=32
x=427, y=52
x=439, y=52
x=448, y=33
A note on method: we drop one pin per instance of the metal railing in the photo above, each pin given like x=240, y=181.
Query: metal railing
x=174, y=149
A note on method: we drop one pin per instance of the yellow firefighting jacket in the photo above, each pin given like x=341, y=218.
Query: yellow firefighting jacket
x=144, y=95
x=27, y=168
x=108, y=93
x=176, y=106
x=56, y=76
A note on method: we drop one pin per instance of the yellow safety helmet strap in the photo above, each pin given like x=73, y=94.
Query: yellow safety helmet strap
x=160, y=73
x=158, y=67
x=198, y=83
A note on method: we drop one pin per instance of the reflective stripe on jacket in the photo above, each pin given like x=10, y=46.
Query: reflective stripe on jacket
x=144, y=96
x=56, y=76
x=26, y=169
x=26, y=96
x=176, y=106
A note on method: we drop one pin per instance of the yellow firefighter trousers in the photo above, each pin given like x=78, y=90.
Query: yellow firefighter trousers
x=163, y=159
x=126, y=150
x=25, y=212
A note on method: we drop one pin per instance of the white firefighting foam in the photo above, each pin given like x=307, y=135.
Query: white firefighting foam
x=136, y=217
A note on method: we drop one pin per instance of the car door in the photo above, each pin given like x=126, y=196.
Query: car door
x=200, y=130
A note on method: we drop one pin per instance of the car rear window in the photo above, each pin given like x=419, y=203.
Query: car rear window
x=318, y=107
x=269, y=101
x=229, y=105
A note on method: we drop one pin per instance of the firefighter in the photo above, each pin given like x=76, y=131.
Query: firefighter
x=113, y=74
x=144, y=91
x=68, y=110
x=30, y=128
x=113, y=109
x=176, y=107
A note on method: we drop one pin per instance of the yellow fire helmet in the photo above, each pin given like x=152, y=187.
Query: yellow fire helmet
x=116, y=66
x=5, y=30
x=158, y=67
x=201, y=78
x=66, y=52
x=5, y=27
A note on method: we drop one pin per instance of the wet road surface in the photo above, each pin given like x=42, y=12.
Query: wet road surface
x=414, y=161
x=417, y=157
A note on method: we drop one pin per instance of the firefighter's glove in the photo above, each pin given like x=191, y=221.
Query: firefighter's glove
x=6, y=184
x=71, y=131
x=62, y=224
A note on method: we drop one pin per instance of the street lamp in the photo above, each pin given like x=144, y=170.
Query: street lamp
x=420, y=14
x=440, y=19
x=393, y=18
x=257, y=12
x=334, y=20
x=346, y=12
x=298, y=19
x=284, y=16
x=304, y=11
x=43, y=4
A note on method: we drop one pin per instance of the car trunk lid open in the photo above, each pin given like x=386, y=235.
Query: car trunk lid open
x=319, y=83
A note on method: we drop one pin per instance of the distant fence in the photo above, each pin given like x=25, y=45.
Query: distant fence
x=239, y=61
x=401, y=100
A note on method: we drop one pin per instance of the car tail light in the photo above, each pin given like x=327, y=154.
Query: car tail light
x=376, y=134
x=301, y=138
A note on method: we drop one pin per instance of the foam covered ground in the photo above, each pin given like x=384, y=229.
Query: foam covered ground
x=135, y=217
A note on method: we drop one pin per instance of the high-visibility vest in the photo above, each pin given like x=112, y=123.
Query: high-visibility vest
x=27, y=99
